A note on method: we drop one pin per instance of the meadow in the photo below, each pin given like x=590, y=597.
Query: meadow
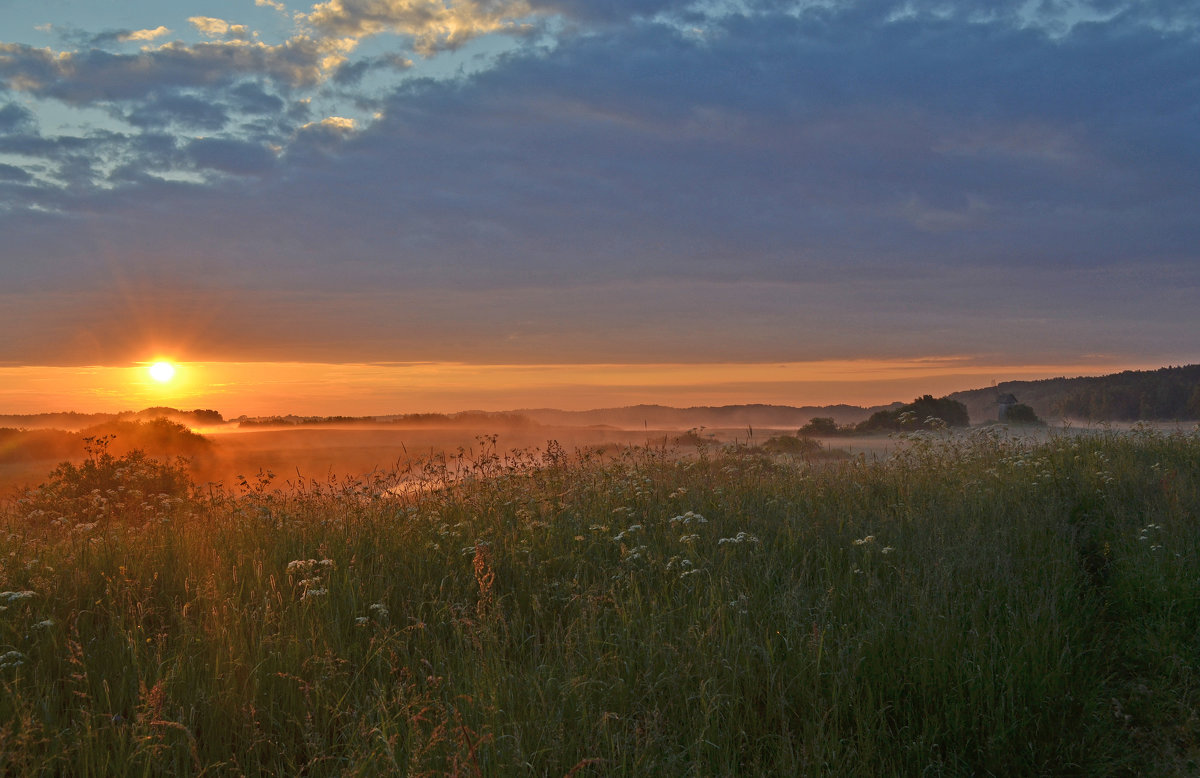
x=976, y=603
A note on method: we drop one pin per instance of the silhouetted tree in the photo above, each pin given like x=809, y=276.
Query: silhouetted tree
x=1021, y=414
x=820, y=425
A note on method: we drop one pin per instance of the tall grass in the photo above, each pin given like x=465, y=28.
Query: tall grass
x=976, y=604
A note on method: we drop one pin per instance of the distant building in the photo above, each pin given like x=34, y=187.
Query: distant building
x=1006, y=401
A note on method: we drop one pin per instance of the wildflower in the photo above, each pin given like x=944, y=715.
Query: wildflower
x=688, y=538
x=307, y=566
x=313, y=593
x=12, y=659
x=741, y=537
x=630, y=529
x=864, y=541
x=11, y=597
x=634, y=554
x=886, y=550
x=361, y=621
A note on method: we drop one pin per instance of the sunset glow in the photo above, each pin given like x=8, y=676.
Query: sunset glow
x=262, y=388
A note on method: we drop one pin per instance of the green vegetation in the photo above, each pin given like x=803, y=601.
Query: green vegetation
x=976, y=604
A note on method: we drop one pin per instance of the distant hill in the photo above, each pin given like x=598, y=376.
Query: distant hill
x=1165, y=394
x=723, y=416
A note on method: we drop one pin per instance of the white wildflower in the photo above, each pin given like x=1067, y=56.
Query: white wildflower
x=12, y=659
x=11, y=597
x=380, y=612
x=864, y=541
x=741, y=537
x=690, y=517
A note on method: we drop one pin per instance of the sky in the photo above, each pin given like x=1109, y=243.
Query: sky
x=379, y=206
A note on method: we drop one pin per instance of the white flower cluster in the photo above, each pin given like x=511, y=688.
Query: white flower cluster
x=310, y=585
x=1144, y=536
x=12, y=659
x=688, y=519
x=627, y=531
x=741, y=537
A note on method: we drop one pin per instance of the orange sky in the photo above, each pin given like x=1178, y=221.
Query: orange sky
x=266, y=388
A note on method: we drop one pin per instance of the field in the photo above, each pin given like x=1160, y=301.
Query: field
x=973, y=604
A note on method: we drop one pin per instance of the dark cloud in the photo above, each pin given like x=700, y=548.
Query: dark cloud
x=14, y=173
x=351, y=73
x=250, y=97
x=15, y=118
x=230, y=156
x=164, y=109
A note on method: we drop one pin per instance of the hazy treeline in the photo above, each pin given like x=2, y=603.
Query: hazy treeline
x=158, y=437
x=477, y=419
x=666, y=417
x=71, y=420
x=1165, y=394
x=1168, y=393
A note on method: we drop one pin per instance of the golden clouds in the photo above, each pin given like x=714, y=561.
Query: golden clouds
x=145, y=35
x=434, y=25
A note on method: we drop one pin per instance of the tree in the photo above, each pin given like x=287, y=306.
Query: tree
x=1022, y=414
x=819, y=425
x=923, y=413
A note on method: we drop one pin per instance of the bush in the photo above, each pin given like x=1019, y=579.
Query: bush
x=130, y=487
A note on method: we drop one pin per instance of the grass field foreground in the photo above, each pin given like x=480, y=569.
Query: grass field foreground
x=975, y=604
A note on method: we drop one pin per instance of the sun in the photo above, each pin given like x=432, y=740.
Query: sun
x=162, y=372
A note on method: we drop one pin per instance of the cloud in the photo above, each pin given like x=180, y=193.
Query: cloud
x=250, y=97
x=95, y=76
x=14, y=118
x=434, y=25
x=219, y=28
x=143, y=35
x=14, y=173
x=167, y=108
x=230, y=156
